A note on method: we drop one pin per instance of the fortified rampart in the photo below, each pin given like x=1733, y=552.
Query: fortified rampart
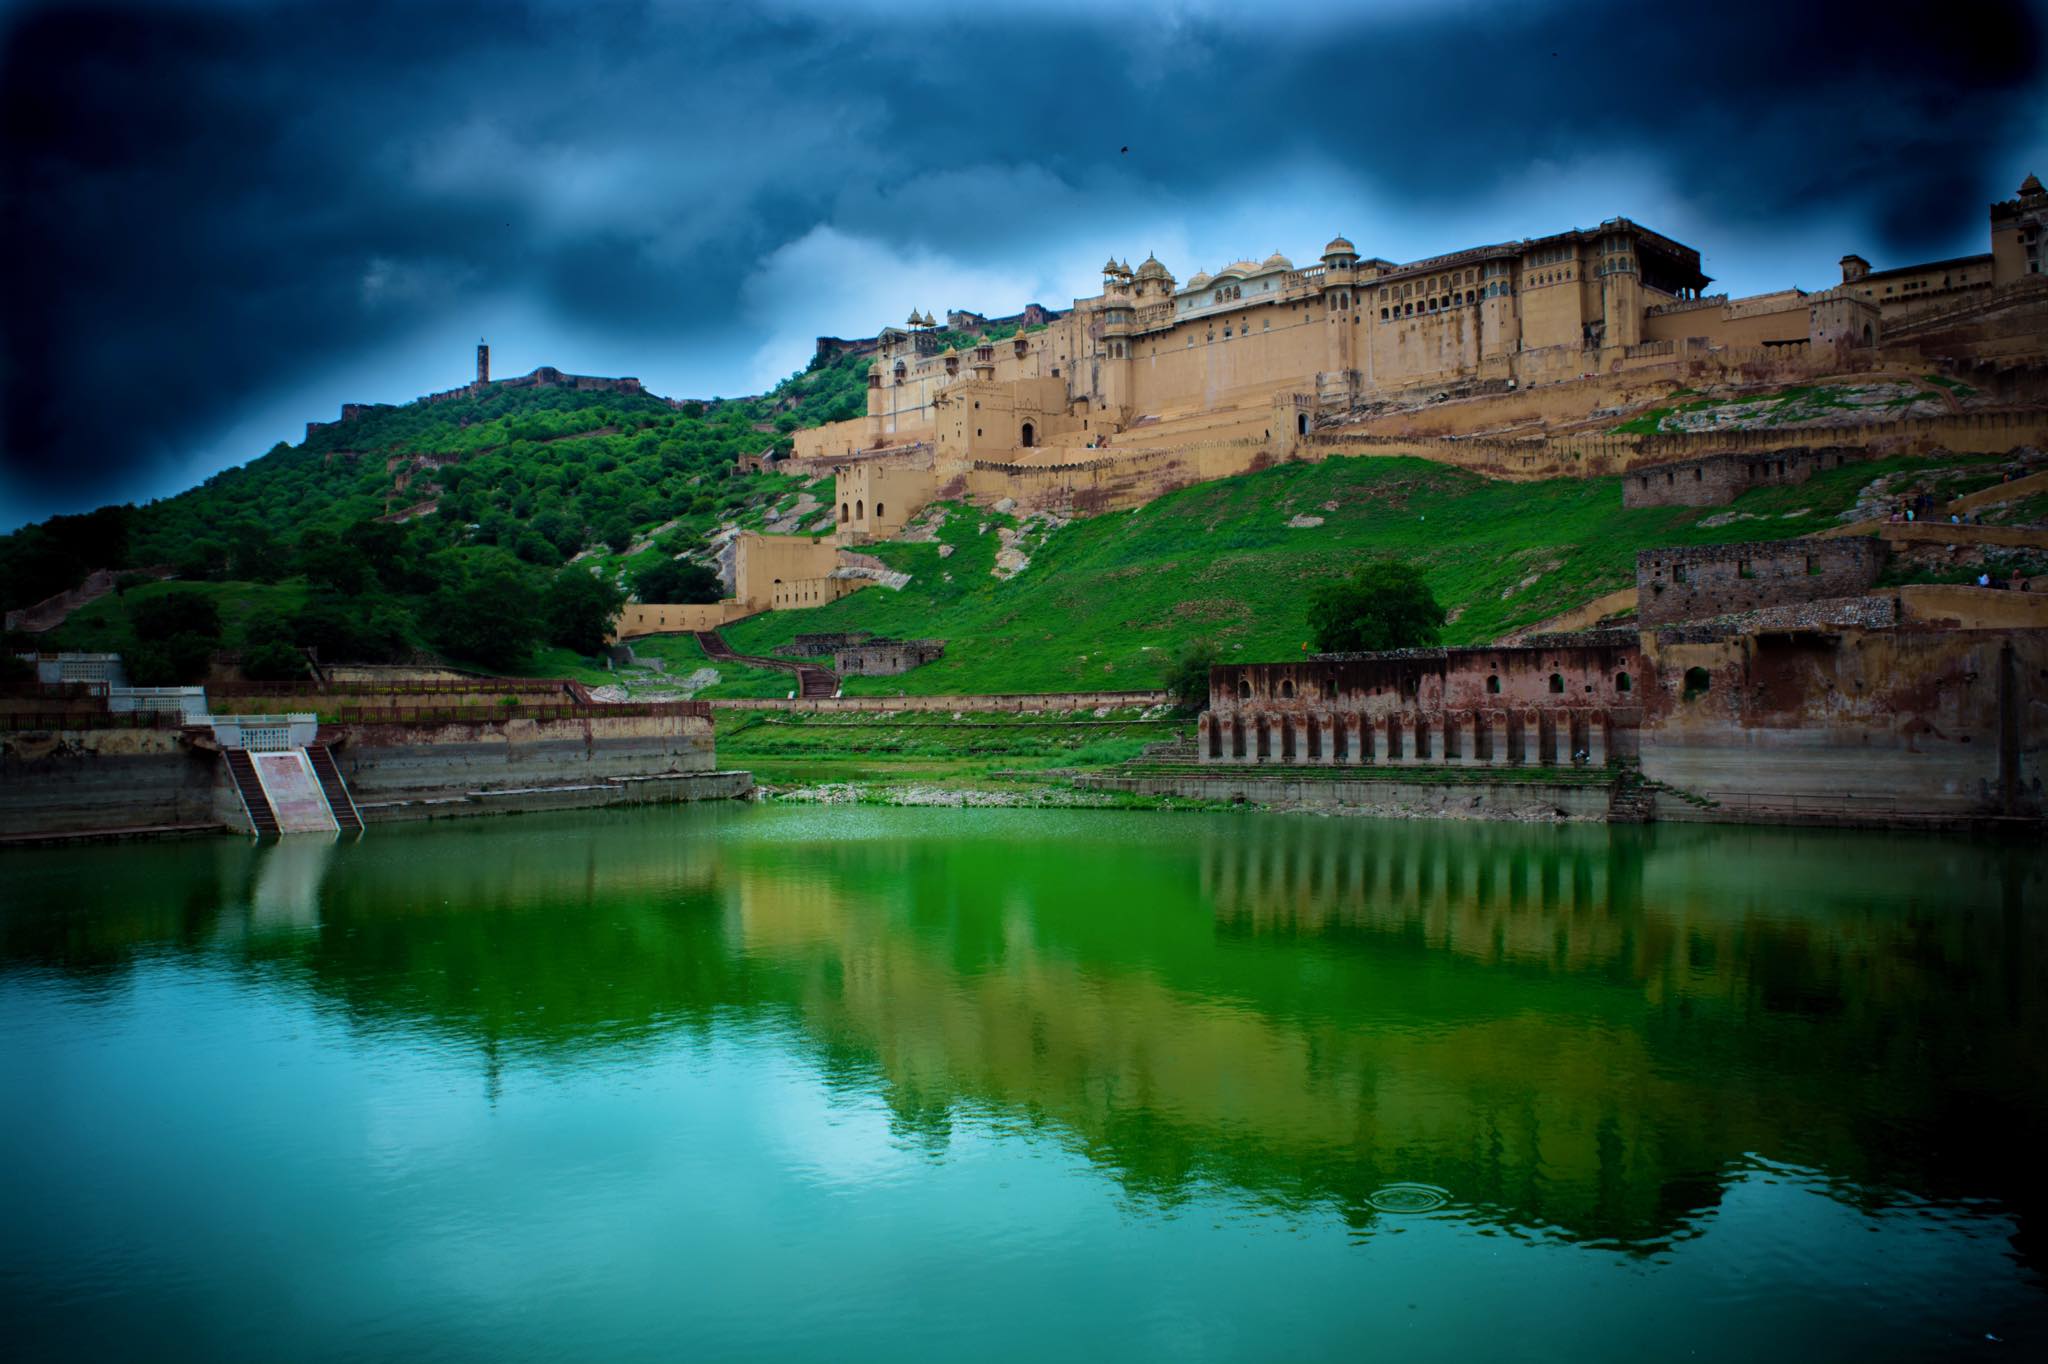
x=1715, y=480
x=1696, y=581
x=1575, y=455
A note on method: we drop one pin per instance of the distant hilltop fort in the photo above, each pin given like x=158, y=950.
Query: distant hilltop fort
x=547, y=376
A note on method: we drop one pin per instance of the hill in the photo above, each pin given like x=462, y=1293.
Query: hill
x=499, y=532
x=413, y=528
x=1105, y=602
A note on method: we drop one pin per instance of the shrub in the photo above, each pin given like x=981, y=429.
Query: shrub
x=1383, y=605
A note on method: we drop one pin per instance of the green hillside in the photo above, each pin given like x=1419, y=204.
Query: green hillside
x=472, y=528
x=547, y=502
x=1107, y=601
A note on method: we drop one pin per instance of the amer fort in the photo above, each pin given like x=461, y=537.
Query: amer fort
x=1512, y=359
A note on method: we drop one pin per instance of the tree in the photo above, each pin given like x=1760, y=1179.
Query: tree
x=165, y=615
x=1188, y=677
x=577, y=610
x=676, y=581
x=1385, y=604
x=491, y=617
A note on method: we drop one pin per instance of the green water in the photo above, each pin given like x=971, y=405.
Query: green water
x=907, y=1085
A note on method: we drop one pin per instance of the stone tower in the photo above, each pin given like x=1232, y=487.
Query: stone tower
x=483, y=364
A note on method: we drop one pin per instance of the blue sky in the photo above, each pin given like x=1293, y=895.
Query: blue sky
x=227, y=219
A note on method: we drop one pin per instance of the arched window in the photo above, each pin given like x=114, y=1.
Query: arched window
x=1557, y=684
x=845, y=511
x=1622, y=682
x=860, y=510
x=1697, y=682
x=1244, y=689
x=1493, y=685
x=878, y=511
x=1287, y=689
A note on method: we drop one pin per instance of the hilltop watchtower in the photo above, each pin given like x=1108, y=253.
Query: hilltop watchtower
x=483, y=364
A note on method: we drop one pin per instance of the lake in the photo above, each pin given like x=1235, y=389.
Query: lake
x=865, y=1083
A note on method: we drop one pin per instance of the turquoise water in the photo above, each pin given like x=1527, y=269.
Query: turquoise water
x=929, y=1085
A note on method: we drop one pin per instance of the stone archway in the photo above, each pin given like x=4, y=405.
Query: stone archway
x=1028, y=437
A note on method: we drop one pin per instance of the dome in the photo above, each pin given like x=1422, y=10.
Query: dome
x=1276, y=261
x=1201, y=279
x=1340, y=247
x=2031, y=185
x=1239, y=268
x=1109, y=266
x=1152, y=269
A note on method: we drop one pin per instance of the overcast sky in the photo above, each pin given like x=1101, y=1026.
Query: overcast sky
x=222, y=220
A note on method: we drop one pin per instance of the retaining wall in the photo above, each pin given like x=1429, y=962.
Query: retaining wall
x=1464, y=799
x=1026, y=703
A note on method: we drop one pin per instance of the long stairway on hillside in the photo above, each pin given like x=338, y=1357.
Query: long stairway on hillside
x=243, y=769
x=811, y=680
x=339, y=801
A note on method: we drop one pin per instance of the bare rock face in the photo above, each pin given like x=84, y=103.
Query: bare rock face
x=945, y=551
x=1305, y=522
x=1005, y=507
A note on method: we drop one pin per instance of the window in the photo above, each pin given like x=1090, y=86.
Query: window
x=1622, y=682
x=878, y=511
x=1244, y=689
x=1493, y=685
x=844, y=511
x=1557, y=684
x=1287, y=689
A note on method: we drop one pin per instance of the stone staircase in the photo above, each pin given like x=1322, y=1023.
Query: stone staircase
x=811, y=680
x=257, y=805
x=1630, y=800
x=339, y=801
x=1179, y=749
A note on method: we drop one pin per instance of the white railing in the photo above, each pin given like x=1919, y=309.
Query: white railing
x=189, y=702
x=265, y=733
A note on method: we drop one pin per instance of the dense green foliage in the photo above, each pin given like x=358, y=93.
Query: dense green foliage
x=678, y=580
x=519, y=482
x=1188, y=679
x=1384, y=604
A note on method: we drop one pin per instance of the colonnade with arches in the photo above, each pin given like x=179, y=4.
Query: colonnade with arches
x=1518, y=736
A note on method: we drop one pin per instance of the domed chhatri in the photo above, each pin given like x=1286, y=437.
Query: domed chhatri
x=1339, y=246
x=1276, y=261
x=1201, y=279
x=1152, y=269
x=2030, y=185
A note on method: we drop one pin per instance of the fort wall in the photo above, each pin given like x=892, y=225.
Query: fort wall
x=1876, y=726
x=1715, y=480
x=1698, y=581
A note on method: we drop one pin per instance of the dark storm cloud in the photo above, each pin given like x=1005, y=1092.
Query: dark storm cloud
x=207, y=205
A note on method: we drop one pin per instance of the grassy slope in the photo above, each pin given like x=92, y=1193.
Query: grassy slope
x=1106, y=601
x=102, y=625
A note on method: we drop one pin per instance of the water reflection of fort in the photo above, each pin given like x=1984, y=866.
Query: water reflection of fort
x=1563, y=1028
